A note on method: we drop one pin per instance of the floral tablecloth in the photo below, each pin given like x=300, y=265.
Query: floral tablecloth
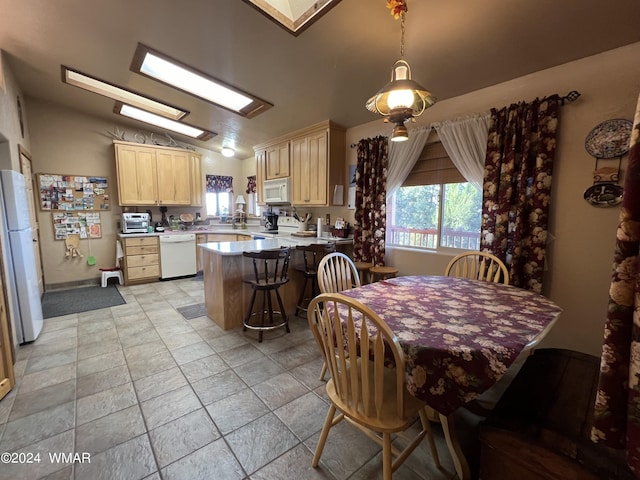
x=459, y=336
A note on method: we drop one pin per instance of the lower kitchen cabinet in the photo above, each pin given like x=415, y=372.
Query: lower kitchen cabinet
x=141, y=260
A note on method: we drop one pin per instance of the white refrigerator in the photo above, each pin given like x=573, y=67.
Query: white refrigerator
x=24, y=294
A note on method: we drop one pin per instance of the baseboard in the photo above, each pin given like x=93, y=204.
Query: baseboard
x=66, y=285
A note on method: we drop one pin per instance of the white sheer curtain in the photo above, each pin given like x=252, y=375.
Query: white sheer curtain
x=403, y=156
x=465, y=140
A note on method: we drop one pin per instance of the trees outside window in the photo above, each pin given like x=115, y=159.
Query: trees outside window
x=433, y=216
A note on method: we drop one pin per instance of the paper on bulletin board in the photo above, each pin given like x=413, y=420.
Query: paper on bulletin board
x=73, y=192
x=86, y=225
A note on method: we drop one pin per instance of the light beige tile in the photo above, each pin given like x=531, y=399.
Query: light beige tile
x=160, y=410
x=132, y=459
x=110, y=430
x=46, y=378
x=198, y=465
x=103, y=403
x=159, y=383
x=182, y=436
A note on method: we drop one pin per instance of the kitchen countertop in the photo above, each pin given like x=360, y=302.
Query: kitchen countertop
x=278, y=241
x=250, y=231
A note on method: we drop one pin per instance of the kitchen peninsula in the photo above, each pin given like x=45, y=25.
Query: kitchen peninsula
x=224, y=267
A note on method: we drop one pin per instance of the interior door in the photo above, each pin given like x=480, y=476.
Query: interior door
x=27, y=171
x=7, y=379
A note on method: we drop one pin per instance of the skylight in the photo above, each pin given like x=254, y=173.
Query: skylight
x=94, y=85
x=158, y=66
x=293, y=15
x=162, y=122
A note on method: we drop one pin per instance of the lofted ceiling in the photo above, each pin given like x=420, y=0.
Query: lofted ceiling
x=326, y=72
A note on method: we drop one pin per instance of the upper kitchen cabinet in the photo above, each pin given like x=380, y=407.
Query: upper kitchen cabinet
x=277, y=160
x=197, y=179
x=316, y=155
x=317, y=164
x=261, y=173
x=150, y=175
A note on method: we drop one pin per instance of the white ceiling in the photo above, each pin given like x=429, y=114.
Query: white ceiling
x=327, y=72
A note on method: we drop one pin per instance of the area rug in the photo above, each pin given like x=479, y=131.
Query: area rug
x=193, y=311
x=83, y=299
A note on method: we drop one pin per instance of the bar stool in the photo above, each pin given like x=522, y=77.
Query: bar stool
x=363, y=271
x=312, y=254
x=382, y=272
x=270, y=269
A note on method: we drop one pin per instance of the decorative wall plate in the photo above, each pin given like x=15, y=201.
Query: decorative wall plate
x=609, y=139
x=604, y=194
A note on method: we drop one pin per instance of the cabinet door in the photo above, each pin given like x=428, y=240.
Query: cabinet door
x=299, y=171
x=278, y=161
x=309, y=169
x=317, y=170
x=136, y=170
x=7, y=377
x=261, y=173
x=197, y=180
x=174, y=178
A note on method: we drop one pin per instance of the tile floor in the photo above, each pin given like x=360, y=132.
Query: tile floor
x=145, y=393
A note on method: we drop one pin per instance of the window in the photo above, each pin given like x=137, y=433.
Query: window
x=435, y=207
x=219, y=195
x=218, y=203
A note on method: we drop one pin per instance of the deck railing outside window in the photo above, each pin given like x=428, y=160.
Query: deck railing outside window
x=412, y=237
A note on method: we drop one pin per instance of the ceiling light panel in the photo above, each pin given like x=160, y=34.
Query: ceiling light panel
x=153, y=64
x=109, y=90
x=162, y=122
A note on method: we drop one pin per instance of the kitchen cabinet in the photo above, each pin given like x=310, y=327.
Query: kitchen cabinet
x=150, y=175
x=261, y=175
x=197, y=179
x=141, y=259
x=317, y=165
x=277, y=160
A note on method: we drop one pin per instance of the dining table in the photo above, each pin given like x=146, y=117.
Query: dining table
x=459, y=336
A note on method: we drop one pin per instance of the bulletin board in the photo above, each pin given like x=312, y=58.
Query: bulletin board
x=87, y=225
x=73, y=192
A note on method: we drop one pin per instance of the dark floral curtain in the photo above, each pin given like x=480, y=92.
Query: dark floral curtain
x=617, y=408
x=219, y=183
x=517, y=187
x=371, y=193
x=251, y=184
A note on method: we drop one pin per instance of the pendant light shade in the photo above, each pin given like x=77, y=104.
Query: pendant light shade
x=402, y=98
x=401, y=93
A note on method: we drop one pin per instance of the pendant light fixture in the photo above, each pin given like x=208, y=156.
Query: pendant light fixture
x=402, y=98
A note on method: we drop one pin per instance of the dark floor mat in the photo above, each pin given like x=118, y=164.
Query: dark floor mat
x=83, y=299
x=193, y=311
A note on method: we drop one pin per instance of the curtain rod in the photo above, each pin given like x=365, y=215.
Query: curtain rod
x=570, y=97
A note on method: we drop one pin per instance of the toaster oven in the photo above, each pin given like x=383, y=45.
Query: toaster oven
x=135, y=223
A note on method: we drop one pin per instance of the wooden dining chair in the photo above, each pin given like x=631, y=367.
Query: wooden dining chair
x=478, y=266
x=336, y=272
x=357, y=344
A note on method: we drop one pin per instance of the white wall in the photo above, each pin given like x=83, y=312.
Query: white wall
x=580, y=253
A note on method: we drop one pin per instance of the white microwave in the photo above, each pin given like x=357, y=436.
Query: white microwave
x=277, y=191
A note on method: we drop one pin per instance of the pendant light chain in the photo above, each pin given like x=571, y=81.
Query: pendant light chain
x=402, y=36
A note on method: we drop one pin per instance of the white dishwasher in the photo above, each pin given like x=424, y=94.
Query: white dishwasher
x=177, y=255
